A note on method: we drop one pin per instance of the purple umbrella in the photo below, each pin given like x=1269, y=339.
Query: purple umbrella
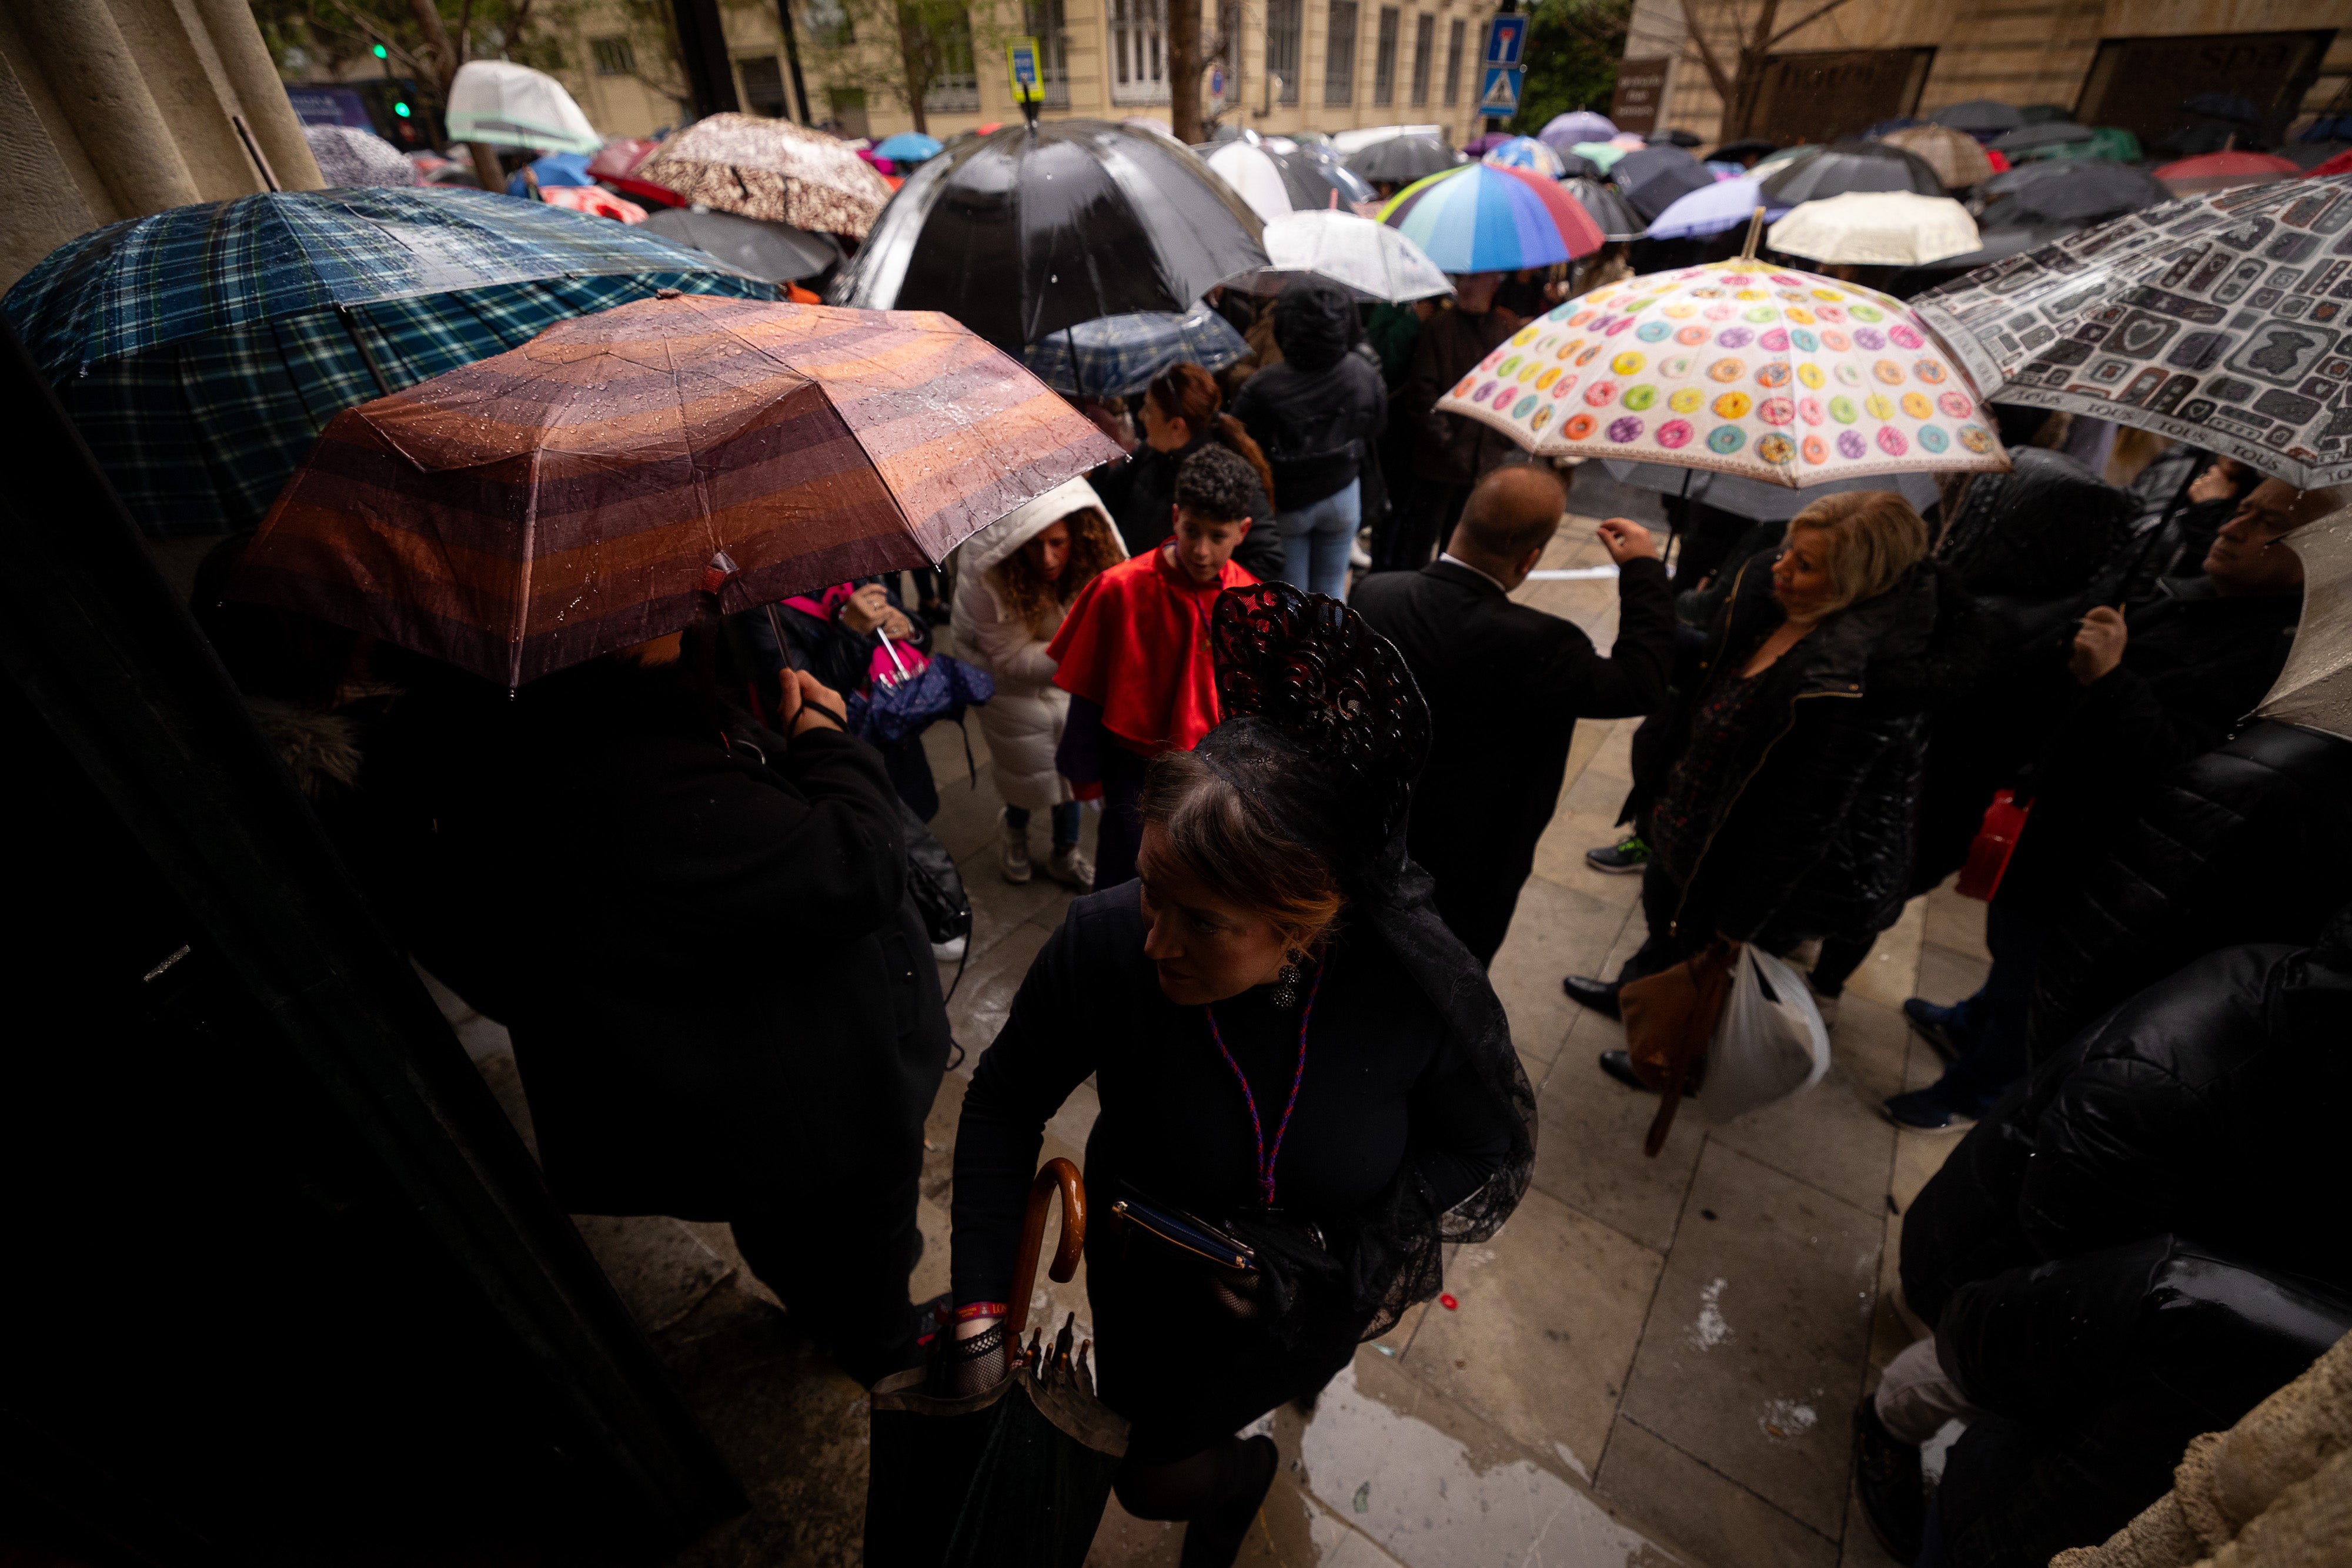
x=1711, y=209
x=1478, y=147
x=1577, y=125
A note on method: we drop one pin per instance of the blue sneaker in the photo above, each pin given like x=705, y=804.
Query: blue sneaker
x=1943, y=1028
x=1925, y=1110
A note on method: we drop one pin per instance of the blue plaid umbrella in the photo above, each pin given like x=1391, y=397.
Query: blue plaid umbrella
x=1117, y=356
x=202, y=350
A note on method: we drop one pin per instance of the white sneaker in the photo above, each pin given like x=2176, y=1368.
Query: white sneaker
x=950, y=952
x=1070, y=867
x=1011, y=849
x=1358, y=556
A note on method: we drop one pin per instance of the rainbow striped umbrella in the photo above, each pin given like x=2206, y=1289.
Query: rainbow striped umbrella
x=1479, y=218
x=622, y=473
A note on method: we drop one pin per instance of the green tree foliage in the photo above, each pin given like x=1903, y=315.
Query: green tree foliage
x=1573, y=48
x=314, y=40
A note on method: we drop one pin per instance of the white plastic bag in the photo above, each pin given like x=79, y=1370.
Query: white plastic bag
x=1771, y=1044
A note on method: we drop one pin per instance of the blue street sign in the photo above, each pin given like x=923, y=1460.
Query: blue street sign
x=1506, y=37
x=1500, y=95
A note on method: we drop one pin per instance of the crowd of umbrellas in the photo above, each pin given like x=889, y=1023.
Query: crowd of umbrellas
x=512, y=431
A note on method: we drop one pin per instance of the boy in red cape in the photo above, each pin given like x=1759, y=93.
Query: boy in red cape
x=1133, y=652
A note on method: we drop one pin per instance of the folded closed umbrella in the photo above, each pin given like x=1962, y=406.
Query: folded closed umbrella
x=2170, y=320
x=770, y=169
x=1253, y=174
x=1030, y=229
x=2210, y=172
x=777, y=252
x=1876, y=228
x=1118, y=356
x=1713, y=210
x=1563, y=132
x=1479, y=218
x=507, y=105
x=1844, y=166
x=350, y=157
x=1957, y=157
x=2030, y=139
x=1764, y=371
x=1401, y=159
x=622, y=475
x=1524, y=153
x=2076, y=191
x=2314, y=689
x=1981, y=116
x=1654, y=178
x=1371, y=261
x=1618, y=222
x=203, y=349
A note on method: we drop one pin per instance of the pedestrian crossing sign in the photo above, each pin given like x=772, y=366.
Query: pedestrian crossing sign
x=1021, y=67
x=1501, y=93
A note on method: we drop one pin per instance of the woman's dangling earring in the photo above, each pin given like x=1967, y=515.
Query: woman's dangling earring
x=1285, y=983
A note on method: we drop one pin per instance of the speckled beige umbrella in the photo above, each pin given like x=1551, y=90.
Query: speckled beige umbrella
x=1956, y=157
x=770, y=169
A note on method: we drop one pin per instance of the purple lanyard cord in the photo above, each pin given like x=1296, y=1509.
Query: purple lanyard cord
x=1266, y=1157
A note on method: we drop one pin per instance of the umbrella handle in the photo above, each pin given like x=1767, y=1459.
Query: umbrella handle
x=1061, y=1174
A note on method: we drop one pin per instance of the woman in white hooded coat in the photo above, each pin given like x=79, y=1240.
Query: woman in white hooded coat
x=1014, y=582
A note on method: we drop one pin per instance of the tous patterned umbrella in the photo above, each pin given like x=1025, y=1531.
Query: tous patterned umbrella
x=770, y=169
x=1763, y=371
x=2213, y=321
x=618, y=476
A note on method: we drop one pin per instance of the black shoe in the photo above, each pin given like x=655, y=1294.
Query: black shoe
x=1601, y=996
x=1886, y=1476
x=1213, y=1539
x=1619, y=1064
x=1935, y=1025
x=1624, y=858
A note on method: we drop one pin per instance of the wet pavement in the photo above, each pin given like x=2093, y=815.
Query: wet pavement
x=1656, y=1362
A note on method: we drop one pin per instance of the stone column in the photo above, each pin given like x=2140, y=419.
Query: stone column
x=99, y=85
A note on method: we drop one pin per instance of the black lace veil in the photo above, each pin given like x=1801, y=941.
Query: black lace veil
x=1325, y=731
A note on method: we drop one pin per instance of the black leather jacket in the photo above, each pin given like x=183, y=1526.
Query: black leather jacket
x=1316, y=412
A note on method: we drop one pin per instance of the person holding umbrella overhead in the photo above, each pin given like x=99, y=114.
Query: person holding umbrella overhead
x=1299, y=1067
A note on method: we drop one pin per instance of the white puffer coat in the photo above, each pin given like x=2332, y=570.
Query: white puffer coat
x=1023, y=720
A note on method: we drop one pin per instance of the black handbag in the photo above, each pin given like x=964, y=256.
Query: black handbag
x=932, y=878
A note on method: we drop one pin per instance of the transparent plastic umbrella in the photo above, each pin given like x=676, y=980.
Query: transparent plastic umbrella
x=1370, y=260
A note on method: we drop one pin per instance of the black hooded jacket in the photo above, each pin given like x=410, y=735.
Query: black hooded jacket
x=1811, y=835
x=2249, y=843
x=1317, y=412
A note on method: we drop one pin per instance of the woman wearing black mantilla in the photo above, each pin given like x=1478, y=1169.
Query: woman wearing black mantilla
x=1288, y=1046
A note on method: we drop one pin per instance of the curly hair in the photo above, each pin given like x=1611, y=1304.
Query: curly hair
x=1217, y=484
x=1034, y=599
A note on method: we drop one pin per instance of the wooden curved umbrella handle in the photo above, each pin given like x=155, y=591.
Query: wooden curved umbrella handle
x=1056, y=1174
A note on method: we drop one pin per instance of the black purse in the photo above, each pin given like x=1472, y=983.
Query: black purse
x=932, y=878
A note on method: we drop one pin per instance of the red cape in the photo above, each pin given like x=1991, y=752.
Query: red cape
x=1136, y=643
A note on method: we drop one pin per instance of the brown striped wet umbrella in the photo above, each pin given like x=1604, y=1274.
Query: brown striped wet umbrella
x=624, y=473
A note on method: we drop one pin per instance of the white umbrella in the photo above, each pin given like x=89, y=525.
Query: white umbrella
x=1876, y=228
x=1251, y=171
x=1370, y=260
x=351, y=158
x=507, y=105
x=2314, y=690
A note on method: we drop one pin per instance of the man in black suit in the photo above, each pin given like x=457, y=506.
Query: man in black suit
x=1507, y=684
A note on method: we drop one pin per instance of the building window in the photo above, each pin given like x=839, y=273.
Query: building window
x=615, y=57
x=1454, y=62
x=1283, y=25
x=956, y=89
x=763, y=88
x=829, y=23
x=1339, y=56
x=848, y=104
x=1138, y=51
x=1046, y=22
x=1385, y=60
x=1424, y=43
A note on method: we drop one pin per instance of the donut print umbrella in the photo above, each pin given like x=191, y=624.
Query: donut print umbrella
x=1764, y=371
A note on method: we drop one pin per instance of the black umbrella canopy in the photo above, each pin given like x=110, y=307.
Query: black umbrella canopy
x=1400, y=160
x=1654, y=178
x=1030, y=229
x=1747, y=146
x=1312, y=177
x=2230, y=106
x=776, y=252
x=1674, y=136
x=1572, y=167
x=2069, y=191
x=2000, y=245
x=2030, y=138
x=1617, y=219
x=1844, y=166
x=1980, y=114
x=2045, y=113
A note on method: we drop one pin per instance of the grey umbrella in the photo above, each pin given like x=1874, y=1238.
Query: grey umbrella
x=1857, y=165
x=1654, y=178
x=778, y=253
x=1618, y=221
x=1980, y=114
x=2032, y=138
x=2068, y=190
x=1400, y=160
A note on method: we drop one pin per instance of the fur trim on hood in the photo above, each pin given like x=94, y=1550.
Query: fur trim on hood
x=1001, y=539
x=321, y=748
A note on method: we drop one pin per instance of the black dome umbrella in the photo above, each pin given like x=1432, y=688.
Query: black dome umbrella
x=1015, y=1476
x=1617, y=220
x=776, y=252
x=1034, y=228
x=1654, y=178
x=2034, y=138
x=1400, y=160
x=1843, y=166
x=1979, y=114
x=2069, y=191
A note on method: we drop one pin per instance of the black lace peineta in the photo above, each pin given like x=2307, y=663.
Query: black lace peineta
x=1325, y=730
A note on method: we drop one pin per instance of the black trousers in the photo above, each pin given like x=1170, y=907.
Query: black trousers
x=1121, y=835
x=1417, y=530
x=840, y=1265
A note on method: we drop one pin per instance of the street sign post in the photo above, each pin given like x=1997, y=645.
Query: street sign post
x=1028, y=82
x=1499, y=93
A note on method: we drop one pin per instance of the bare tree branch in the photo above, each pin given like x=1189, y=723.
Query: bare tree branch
x=1810, y=18
x=1715, y=75
x=464, y=32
